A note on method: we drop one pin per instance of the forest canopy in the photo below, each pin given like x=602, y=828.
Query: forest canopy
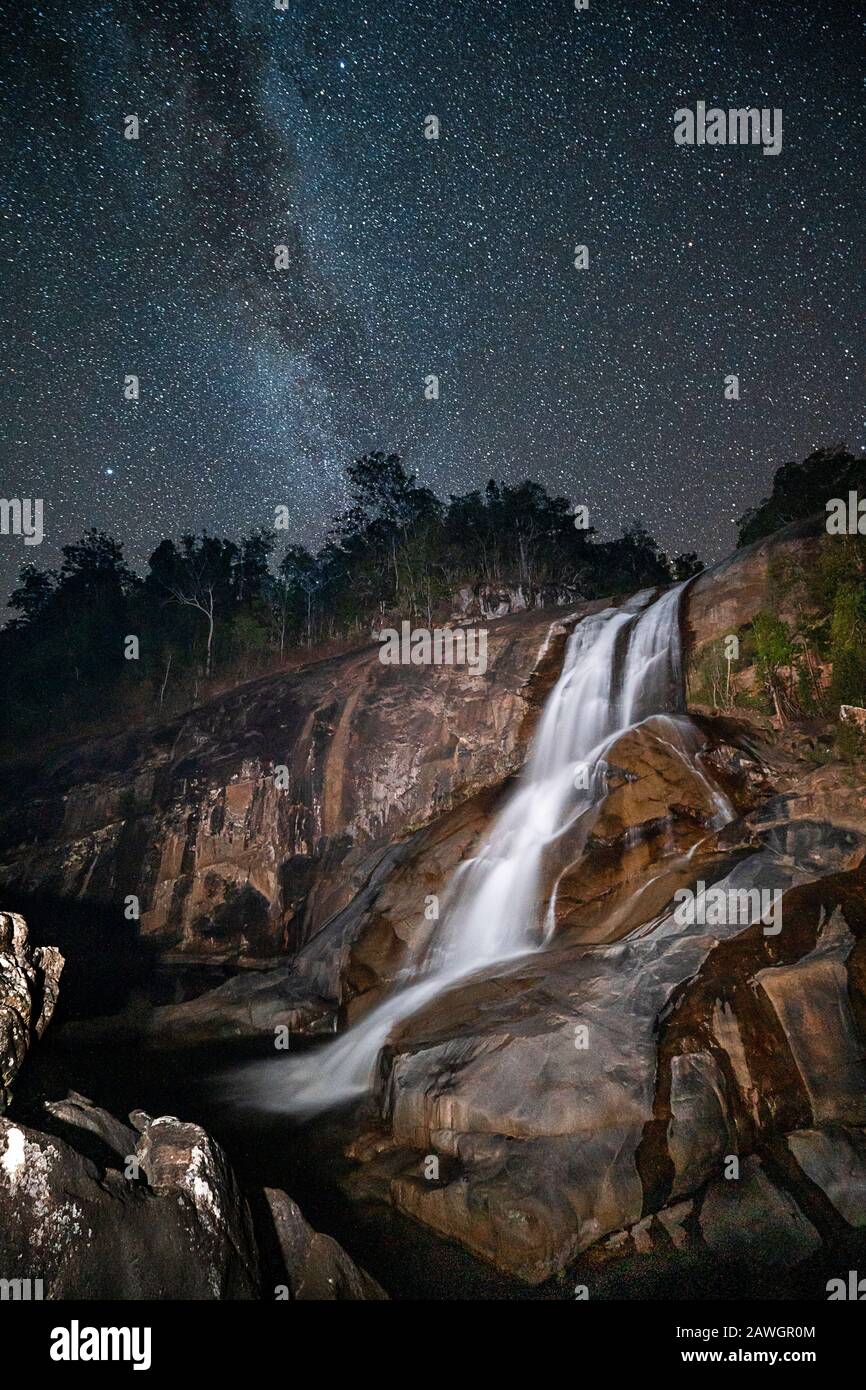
x=210, y=611
x=803, y=489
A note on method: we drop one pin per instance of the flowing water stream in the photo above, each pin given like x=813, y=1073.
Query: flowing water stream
x=622, y=666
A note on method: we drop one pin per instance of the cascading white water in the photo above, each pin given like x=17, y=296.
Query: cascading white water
x=621, y=666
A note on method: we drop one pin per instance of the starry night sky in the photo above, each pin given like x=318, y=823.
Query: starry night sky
x=411, y=257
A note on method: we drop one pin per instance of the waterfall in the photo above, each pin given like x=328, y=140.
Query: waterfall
x=621, y=667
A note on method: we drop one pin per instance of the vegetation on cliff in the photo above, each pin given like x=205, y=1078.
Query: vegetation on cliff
x=210, y=612
x=804, y=655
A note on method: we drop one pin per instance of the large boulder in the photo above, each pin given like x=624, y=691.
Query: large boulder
x=656, y=823
x=163, y=1221
x=568, y=1095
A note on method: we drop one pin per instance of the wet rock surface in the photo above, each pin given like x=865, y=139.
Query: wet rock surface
x=697, y=1048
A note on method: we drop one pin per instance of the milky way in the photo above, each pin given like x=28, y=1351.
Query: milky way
x=410, y=256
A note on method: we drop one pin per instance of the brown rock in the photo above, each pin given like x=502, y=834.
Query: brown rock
x=188, y=817
x=749, y=1218
x=316, y=1267
x=727, y=595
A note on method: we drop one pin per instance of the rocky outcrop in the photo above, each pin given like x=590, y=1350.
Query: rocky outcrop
x=91, y=1208
x=721, y=599
x=538, y=1113
x=315, y=1266
x=240, y=829
x=581, y=1093
x=163, y=1219
x=29, y=977
x=776, y=1219
x=498, y=600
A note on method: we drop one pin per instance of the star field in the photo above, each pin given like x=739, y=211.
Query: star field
x=411, y=256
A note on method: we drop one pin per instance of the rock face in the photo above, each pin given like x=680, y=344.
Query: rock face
x=576, y=1094
x=723, y=598
x=496, y=601
x=225, y=863
x=29, y=977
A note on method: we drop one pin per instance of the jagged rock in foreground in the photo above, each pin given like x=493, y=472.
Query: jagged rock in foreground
x=316, y=1267
x=29, y=977
x=179, y=1229
x=96, y=1210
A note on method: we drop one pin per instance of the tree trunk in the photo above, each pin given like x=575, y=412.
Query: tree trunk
x=165, y=680
x=208, y=665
